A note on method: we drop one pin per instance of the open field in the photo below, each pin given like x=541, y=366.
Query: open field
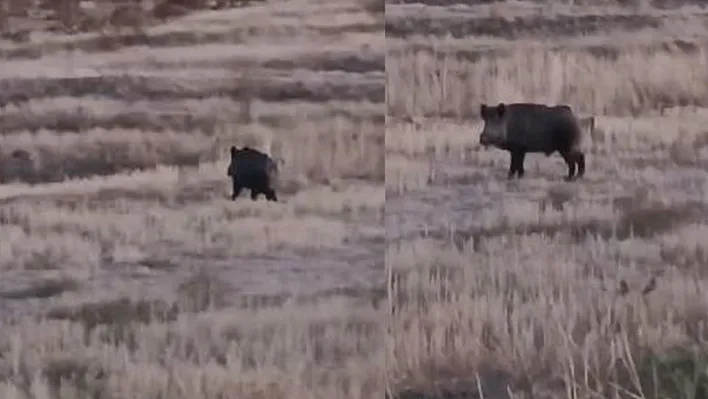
x=538, y=288
x=126, y=270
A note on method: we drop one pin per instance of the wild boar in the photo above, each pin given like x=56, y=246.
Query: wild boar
x=252, y=169
x=521, y=128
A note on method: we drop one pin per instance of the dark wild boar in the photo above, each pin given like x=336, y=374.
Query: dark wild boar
x=254, y=170
x=521, y=128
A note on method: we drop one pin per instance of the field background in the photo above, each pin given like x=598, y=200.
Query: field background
x=126, y=270
x=539, y=288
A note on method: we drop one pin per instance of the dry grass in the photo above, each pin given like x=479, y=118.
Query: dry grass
x=127, y=272
x=539, y=288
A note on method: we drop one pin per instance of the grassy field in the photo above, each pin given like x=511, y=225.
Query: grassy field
x=538, y=288
x=126, y=270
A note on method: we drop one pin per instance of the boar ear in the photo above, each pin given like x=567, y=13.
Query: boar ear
x=501, y=109
x=483, y=110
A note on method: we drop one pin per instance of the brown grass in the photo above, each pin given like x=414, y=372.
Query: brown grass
x=127, y=272
x=539, y=288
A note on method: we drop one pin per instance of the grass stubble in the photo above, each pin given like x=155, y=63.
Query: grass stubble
x=127, y=272
x=540, y=288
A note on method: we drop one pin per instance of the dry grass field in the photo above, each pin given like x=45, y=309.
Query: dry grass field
x=538, y=288
x=126, y=270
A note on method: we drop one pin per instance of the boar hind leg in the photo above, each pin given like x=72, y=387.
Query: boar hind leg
x=517, y=164
x=235, y=189
x=571, y=159
x=270, y=195
x=580, y=160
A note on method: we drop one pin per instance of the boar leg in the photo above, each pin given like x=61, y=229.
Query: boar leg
x=270, y=195
x=580, y=160
x=517, y=164
x=570, y=160
x=235, y=189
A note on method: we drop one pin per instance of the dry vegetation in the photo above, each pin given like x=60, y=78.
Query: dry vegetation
x=538, y=288
x=127, y=272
